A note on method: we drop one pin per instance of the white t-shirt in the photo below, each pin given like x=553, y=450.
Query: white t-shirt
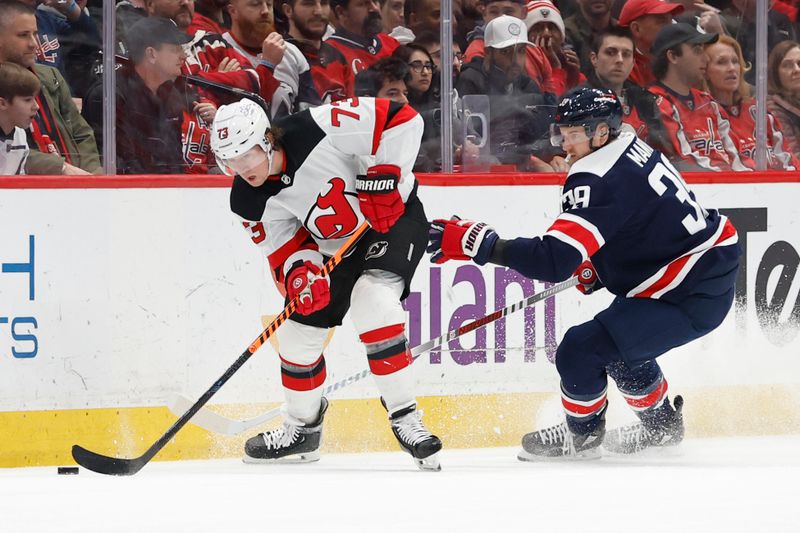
x=13, y=152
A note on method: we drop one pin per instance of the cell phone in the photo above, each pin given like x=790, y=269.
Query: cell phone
x=567, y=46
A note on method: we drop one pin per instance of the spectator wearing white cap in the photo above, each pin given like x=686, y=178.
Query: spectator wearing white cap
x=546, y=31
x=537, y=67
x=518, y=109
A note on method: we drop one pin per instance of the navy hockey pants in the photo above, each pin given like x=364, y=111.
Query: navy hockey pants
x=624, y=340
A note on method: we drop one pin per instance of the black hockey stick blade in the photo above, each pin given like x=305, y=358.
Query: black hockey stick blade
x=102, y=464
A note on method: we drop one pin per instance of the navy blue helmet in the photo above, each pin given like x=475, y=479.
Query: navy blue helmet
x=588, y=107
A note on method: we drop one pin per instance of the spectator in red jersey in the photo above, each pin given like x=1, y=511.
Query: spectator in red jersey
x=210, y=57
x=645, y=18
x=592, y=18
x=546, y=32
x=783, y=82
x=359, y=36
x=253, y=36
x=209, y=16
x=537, y=67
x=612, y=59
x=725, y=78
x=308, y=21
x=699, y=131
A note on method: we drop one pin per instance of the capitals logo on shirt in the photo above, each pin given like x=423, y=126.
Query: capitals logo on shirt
x=705, y=141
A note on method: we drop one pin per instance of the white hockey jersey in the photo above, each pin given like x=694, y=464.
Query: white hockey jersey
x=313, y=205
x=13, y=152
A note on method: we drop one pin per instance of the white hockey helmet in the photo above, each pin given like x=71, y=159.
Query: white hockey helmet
x=237, y=128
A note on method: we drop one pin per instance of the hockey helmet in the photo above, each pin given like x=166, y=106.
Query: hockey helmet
x=587, y=107
x=237, y=129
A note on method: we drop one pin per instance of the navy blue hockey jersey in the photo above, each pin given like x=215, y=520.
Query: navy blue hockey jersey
x=628, y=209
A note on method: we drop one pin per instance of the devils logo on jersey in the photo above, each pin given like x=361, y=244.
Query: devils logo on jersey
x=334, y=215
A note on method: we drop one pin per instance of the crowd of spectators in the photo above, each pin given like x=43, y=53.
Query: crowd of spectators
x=683, y=71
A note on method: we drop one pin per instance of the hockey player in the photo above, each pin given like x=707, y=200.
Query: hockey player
x=670, y=263
x=300, y=191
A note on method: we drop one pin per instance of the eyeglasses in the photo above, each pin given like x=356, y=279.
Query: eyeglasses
x=419, y=66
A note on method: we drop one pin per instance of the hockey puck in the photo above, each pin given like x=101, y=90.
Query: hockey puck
x=68, y=470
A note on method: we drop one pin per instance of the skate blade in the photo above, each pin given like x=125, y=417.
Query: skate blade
x=672, y=450
x=429, y=464
x=588, y=455
x=308, y=457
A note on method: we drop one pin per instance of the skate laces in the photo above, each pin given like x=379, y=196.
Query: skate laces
x=559, y=434
x=280, y=437
x=410, y=428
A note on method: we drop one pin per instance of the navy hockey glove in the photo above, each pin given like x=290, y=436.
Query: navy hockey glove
x=378, y=197
x=303, y=280
x=588, y=282
x=460, y=239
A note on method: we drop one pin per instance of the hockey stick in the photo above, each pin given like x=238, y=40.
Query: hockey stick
x=211, y=421
x=126, y=467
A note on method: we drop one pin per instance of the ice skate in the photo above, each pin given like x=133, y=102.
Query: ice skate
x=414, y=438
x=558, y=442
x=664, y=428
x=293, y=442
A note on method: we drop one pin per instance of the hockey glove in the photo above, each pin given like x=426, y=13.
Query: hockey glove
x=588, y=282
x=378, y=197
x=460, y=239
x=303, y=280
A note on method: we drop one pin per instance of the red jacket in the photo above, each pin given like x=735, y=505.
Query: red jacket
x=359, y=55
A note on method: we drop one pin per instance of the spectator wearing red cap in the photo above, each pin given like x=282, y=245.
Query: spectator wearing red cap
x=546, y=31
x=698, y=128
x=645, y=18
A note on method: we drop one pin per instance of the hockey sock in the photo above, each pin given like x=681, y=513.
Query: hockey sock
x=390, y=363
x=584, y=412
x=302, y=387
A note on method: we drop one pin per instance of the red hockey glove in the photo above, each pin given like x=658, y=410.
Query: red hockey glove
x=460, y=239
x=588, y=282
x=379, y=198
x=303, y=280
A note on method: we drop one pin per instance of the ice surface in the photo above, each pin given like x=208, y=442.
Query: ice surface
x=746, y=484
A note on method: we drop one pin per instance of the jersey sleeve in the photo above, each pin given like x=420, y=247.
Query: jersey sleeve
x=387, y=131
x=593, y=212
